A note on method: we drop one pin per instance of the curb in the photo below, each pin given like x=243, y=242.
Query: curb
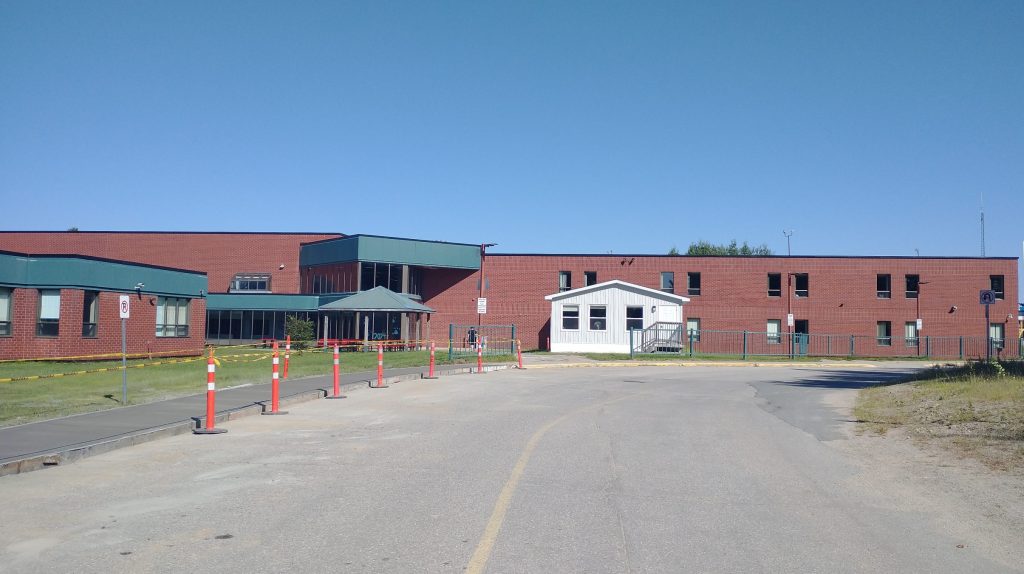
x=73, y=453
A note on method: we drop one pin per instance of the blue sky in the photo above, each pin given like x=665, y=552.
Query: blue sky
x=868, y=127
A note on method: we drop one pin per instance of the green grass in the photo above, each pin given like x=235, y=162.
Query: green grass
x=24, y=401
x=976, y=409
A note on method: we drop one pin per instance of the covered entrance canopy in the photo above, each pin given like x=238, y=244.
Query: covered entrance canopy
x=380, y=314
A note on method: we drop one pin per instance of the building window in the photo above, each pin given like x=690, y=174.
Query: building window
x=564, y=281
x=910, y=333
x=883, y=286
x=997, y=334
x=996, y=284
x=259, y=282
x=913, y=284
x=693, y=283
x=774, y=329
x=598, y=318
x=802, y=284
x=90, y=305
x=387, y=275
x=571, y=317
x=883, y=333
x=634, y=318
x=589, y=278
x=668, y=281
x=171, y=317
x=5, y=312
x=693, y=329
x=775, y=284
x=49, y=313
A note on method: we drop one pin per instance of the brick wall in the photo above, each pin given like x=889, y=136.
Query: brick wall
x=842, y=292
x=220, y=255
x=141, y=328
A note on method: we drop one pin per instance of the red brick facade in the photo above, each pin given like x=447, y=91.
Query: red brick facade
x=141, y=328
x=220, y=255
x=842, y=297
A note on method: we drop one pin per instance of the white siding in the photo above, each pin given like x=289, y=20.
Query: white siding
x=615, y=339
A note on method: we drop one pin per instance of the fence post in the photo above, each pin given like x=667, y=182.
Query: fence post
x=451, y=338
x=744, y=345
x=211, y=399
x=274, y=386
x=852, y=343
x=961, y=347
x=927, y=346
x=512, y=342
x=690, y=335
x=631, y=331
x=828, y=345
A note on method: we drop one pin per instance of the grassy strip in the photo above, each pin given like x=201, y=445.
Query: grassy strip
x=23, y=401
x=976, y=410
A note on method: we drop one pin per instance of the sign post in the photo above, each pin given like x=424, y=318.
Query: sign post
x=987, y=297
x=124, y=306
x=481, y=305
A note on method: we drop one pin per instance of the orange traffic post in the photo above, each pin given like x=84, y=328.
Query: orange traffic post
x=479, y=359
x=211, y=398
x=275, y=390
x=287, y=355
x=430, y=374
x=380, y=368
x=337, y=383
x=519, y=353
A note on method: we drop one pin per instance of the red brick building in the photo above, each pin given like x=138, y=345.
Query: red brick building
x=257, y=278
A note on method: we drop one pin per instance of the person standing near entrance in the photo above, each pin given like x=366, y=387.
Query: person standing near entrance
x=472, y=337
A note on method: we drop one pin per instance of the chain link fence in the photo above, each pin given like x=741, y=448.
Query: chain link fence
x=670, y=338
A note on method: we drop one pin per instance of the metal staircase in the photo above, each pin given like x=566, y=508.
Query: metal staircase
x=660, y=338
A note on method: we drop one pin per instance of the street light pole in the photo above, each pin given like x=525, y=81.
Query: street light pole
x=920, y=324
x=788, y=233
x=483, y=258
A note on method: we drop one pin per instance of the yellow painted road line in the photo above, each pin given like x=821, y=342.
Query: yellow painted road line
x=486, y=545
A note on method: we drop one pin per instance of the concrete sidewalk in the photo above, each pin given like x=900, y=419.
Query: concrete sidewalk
x=58, y=441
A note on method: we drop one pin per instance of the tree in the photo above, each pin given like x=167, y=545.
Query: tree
x=705, y=248
x=300, y=330
x=673, y=251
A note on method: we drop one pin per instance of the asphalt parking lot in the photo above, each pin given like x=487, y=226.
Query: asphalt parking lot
x=709, y=469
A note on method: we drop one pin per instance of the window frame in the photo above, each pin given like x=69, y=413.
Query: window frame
x=251, y=282
x=797, y=291
x=883, y=333
x=776, y=337
x=1001, y=291
x=916, y=280
x=777, y=290
x=696, y=332
x=883, y=286
x=632, y=320
x=603, y=319
x=44, y=325
x=910, y=334
x=671, y=283
x=589, y=278
x=565, y=285
x=999, y=342
x=566, y=317
x=6, y=326
x=178, y=329
x=690, y=288
x=90, y=329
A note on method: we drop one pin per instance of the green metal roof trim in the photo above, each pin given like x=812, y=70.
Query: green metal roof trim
x=377, y=299
x=391, y=250
x=261, y=302
x=77, y=272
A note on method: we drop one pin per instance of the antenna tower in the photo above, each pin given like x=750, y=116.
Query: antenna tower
x=983, y=224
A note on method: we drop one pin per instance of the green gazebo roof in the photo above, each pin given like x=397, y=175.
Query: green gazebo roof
x=377, y=299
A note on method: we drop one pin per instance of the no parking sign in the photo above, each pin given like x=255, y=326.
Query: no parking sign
x=124, y=306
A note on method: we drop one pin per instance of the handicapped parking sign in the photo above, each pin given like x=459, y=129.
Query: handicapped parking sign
x=987, y=297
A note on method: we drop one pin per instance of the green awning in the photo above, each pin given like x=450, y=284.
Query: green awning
x=377, y=299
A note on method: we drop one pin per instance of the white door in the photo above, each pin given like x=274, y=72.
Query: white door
x=668, y=313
